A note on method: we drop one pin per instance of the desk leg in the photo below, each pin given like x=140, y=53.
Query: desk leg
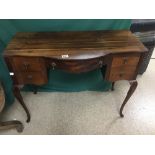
x=35, y=89
x=20, y=99
x=133, y=86
x=112, y=88
x=12, y=124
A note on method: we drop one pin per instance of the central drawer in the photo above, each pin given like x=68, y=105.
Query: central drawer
x=76, y=66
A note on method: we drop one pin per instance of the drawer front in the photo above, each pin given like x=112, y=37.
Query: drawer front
x=120, y=76
x=25, y=64
x=123, y=67
x=76, y=66
x=125, y=61
x=122, y=73
x=37, y=78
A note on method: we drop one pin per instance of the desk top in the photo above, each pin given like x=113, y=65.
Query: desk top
x=73, y=45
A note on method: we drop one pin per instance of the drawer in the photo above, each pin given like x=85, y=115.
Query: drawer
x=122, y=73
x=37, y=78
x=76, y=66
x=125, y=61
x=120, y=76
x=28, y=64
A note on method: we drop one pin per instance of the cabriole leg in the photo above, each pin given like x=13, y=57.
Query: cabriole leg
x=133, y=86
x=20, y=99
x=35, y=89
x=112, y=88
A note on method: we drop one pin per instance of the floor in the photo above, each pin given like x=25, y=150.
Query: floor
x=90, y=112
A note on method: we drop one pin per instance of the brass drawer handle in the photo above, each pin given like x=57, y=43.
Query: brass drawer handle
x=53, y=65
x=100, y=63
x=26, y=65
x=125, y=60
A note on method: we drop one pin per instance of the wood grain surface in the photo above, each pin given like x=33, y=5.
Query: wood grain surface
x=73, y=45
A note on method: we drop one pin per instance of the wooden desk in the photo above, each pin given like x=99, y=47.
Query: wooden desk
x=30, y=55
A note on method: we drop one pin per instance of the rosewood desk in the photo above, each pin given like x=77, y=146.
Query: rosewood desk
x=30, y=55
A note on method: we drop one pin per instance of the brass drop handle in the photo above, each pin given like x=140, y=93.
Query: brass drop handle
x=26, y=65
x=100, y=63
x=125, y=60
x=53, y=65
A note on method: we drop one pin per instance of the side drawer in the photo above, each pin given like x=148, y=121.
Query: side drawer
x=122, y=73
x=122, y=67
x=30, y=64
x=37, y=78
x=125, y=61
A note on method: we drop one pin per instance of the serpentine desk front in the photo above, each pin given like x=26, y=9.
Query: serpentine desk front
x=30, y=55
